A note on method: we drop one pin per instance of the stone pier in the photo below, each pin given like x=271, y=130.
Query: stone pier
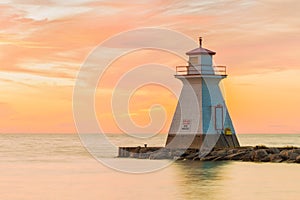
x=246, y=153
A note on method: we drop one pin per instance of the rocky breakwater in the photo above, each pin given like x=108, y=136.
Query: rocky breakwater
x=255, y=154
x=249, y=154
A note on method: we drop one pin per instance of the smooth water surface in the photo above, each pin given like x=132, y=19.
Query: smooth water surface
x=36, y=167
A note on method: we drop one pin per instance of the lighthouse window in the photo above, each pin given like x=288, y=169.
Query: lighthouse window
x=194, y=60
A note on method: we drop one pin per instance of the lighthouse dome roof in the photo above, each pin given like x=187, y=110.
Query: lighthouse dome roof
x=199, y=51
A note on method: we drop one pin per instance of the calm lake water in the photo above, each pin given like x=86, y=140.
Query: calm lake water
x=57, y=166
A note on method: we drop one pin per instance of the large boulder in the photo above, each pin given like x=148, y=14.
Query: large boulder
x=259, y=154
x=220, y=158
x=296, y=151
x=235, y=156
x=275, y=158
x=297, y=159
x=247, y=157
x=293, y=156
x=285, y=154
x=273, y=151
x=219, y=153
x=266, y=159
x=207, y=158
x=232, y=151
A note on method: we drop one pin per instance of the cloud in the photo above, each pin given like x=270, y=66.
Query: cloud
x=44, y=42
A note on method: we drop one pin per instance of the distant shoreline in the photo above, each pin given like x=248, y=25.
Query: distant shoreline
x=246, y=153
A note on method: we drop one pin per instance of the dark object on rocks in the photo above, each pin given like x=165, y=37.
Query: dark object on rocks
x=260, y=147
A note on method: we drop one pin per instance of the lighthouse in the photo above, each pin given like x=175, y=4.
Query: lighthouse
x=201, y=112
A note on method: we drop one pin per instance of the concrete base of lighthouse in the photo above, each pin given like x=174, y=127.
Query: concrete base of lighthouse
x=195, y=141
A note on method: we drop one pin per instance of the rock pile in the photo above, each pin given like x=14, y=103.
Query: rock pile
x=250, y=154
x=256, y=154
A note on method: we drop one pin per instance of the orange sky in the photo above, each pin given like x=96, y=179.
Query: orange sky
x=44, y=43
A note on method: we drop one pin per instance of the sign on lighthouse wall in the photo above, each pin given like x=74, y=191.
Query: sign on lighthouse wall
x=186, y=125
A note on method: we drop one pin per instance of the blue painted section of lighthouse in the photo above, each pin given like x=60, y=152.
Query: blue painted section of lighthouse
x=228, y=122
x=207, y=113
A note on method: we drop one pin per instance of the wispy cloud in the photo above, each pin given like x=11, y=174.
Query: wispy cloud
x=43, y=44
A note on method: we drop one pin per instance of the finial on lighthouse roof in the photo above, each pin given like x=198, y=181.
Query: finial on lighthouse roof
x=200, y=50
x=200, y=42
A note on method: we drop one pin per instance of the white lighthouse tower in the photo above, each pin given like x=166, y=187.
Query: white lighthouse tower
x=201, y=111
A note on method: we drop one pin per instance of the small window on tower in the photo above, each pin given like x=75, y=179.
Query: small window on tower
x=194, y=60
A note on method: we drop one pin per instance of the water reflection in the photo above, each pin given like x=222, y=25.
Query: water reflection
x=201, y=180
x=237, y=180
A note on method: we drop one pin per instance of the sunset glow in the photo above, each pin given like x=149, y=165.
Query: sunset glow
x=44, y=43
